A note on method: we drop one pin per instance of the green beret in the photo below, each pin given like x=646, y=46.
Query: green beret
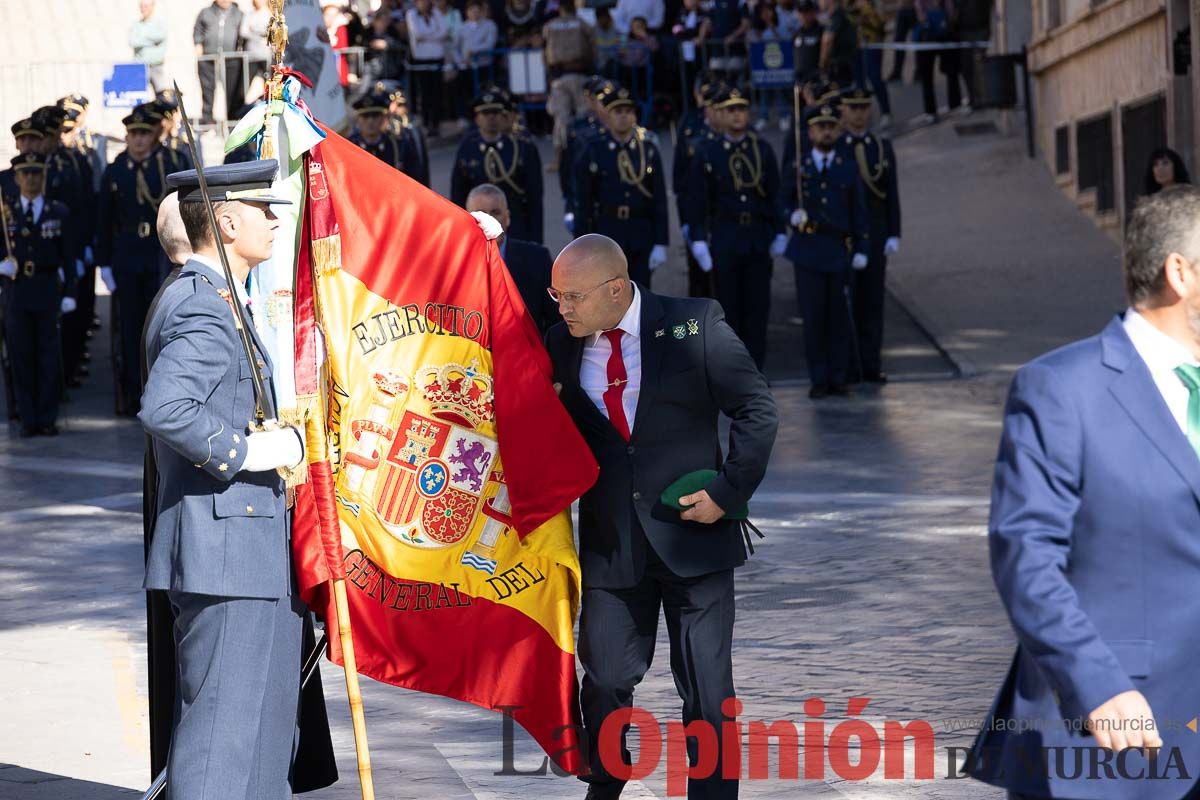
x=691, y=483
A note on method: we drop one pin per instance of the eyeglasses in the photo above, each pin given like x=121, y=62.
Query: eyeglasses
x=575, y=297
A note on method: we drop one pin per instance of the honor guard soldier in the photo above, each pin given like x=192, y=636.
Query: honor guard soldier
x=875, y=159
x=38, y=270
x=579, y=132
x=399, y=124
x=77, y=327
x=172, y=137
x=69, y=181
x=700, y=127
x=220, y=542
x=494, y=154
x=132, y=262
x=372, y=135
x=814, y=93
x=621, y=191
x=735, y=220
x=829, y=238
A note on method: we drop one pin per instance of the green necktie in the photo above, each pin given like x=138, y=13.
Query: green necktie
x=1190, y=375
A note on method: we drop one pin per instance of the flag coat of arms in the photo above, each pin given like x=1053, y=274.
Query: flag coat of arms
x=441, y=464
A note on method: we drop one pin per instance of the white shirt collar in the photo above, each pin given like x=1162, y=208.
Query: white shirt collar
x=631, y=323
x=1160, y=352
x=36, y=203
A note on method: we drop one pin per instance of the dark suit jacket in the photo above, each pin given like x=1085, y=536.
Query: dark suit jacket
x=529, y=264
x=1095, y=553
x=693, y=368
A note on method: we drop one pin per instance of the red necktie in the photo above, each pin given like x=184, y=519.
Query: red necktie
x=617, y=379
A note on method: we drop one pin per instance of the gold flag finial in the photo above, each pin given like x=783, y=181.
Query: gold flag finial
x=277, y=31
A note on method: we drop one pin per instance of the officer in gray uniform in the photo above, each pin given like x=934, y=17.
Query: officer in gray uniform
x=221, y=548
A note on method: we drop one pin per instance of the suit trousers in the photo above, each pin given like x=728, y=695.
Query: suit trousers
x=826, y=324
x=868, y=293
x=617, y=630
x=210, y=73
x=743, y=281
x=238, y=697
x=135, y=291
x=35, y=350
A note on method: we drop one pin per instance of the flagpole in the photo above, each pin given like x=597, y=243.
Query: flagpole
x=277, y=39
x=353, y=692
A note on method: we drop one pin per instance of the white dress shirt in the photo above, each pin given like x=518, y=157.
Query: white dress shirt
x=1162, y=355
x=426, y=37
x=821, y=160
x=593, y=370
x=39, y=203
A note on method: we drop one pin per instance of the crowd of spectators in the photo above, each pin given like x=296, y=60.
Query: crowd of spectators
x=441, y=50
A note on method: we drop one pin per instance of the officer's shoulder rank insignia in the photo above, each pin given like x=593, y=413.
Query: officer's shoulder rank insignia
x=693, y=327
x=679, y=331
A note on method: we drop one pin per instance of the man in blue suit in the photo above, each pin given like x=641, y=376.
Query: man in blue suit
x=221, y=536
x=1095, y=541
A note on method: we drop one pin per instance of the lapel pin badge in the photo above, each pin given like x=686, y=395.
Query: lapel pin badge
x=678, y=331
x=658, y=334
x=693, y=327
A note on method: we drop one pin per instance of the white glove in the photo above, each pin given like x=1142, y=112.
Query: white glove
x=702, y=256
x=799, y=217
x=88, y=254
x=107, y=276
x=268, y=450
x=859, y=261
x=488, y=224
x=67, y=305
x=658, y=256
x=8, y=268
x=778, y=245
x=79, y=268
x=569, y=222
x=891, y=246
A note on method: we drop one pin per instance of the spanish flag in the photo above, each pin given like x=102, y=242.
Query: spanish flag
x=441, y=464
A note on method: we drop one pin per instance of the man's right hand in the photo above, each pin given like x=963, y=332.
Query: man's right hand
x=268, y=450
x=702, y=255
x=1124, y=720
x=8, y=268
x=107, y=276
x=799, y=218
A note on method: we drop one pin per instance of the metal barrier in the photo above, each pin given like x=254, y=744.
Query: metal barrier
x=221, y=71
x=523, y=72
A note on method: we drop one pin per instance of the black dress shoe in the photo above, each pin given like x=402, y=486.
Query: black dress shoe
x=48, y=430
x=603, y=792
x=839, y=390
x=818, y=391
x=876, y=377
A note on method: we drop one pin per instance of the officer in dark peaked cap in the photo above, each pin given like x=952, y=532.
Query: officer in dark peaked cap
x=238, y=632
x=693, y=135
x=875, y=159
x=735, y=220
x=621, y=191
x=829, y=239
x=579, y=132
x=399, y=124
x=38, y=276
x=371, y=134
x=131, y=260
x=166, y=103
x=493, y=154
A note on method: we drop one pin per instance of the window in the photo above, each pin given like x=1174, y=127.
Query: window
x=1094, y=150
x=1062, y=150
x=1143, y=128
